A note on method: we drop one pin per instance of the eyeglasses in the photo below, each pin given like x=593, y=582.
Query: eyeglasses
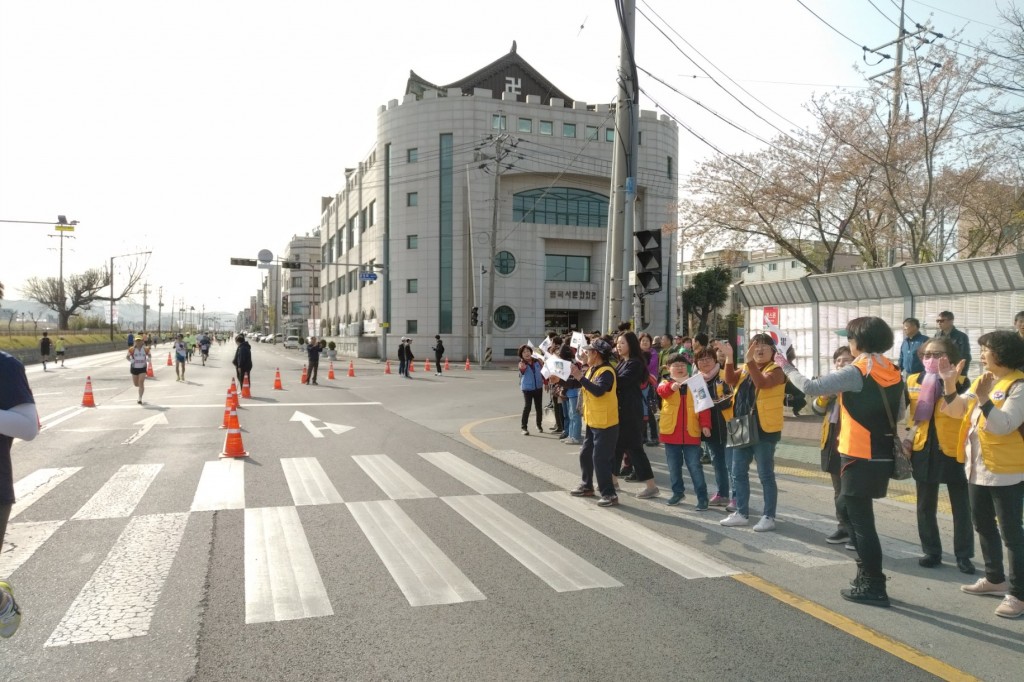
x=942, y=319
x=937, y=354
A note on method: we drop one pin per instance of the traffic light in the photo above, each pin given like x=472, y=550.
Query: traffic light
x=244, y=261
x=648, y=260
x=474, y=316
x=284, y=302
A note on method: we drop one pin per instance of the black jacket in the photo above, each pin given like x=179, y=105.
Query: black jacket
x=243, y=356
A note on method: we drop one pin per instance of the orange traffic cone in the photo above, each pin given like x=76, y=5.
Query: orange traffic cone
x=426, y=365
x=351, y=369
x=387, y=367
x=87, y=399
x=412, y=367
x=447, y=365
x=277, y=380
x=226, y=424
x=169, y=363
x=233, y=392
x=246, y=389
x=149, y=369
x=467, y=363
x=330, y=372
x=305, y=376
x=233, y=442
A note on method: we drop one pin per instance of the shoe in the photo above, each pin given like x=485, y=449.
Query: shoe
x=652, y=443
x=626, y=471
x=540, y=429
x=564, y=435
x=525, y=432
x=608, y=501
x=675, y=499
x=632, y=476
x=1011, y=607
x=929, y=561
x=838, y=537
x=572, y=441
x=718, y=501
x=965, y=565
x=731, y=507
x=984, y=586
x=140, y=402
x=850, y=547
x=735, y=519
x=705, y=459
x=582, y=491
x=648, y=493
x=766, y=524
x=10, y=615
x=869, y=590
x=703, y=506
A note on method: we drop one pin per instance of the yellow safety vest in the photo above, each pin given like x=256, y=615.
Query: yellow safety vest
x=670, y=414
x=1001, y=454
x=947, y=428
x=600, y=412
x=770, y=401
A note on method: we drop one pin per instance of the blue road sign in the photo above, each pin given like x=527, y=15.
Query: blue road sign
x=367, y=276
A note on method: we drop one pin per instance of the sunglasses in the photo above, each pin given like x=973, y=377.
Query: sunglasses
x=937, y=354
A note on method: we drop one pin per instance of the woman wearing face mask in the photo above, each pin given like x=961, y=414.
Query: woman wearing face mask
x=933, y=443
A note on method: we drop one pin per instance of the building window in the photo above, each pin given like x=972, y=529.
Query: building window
x=526, y=125
x=412, y=241
x=561, y=206
x=668, y=168
x=567, y=268
x=297, y=281
x=547, y=128
x=750, y=268
x=504, y=317
x=363, y=220
x=373, y=213
x=412, y=199
x=505, y=262
x=314, y=282
x=412, y=327
x=793, y=264
x=609, y=134
x=412, y=155
x=773, y=266
x=412, y=286
x=592, y=132
x=568, y=130
x=498, y=121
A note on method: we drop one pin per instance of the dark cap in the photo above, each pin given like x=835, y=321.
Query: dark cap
x=601, y=346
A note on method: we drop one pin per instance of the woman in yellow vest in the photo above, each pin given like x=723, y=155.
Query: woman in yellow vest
x=932, y=442
x=991, y=447
x=601, y=415
x=865, y=442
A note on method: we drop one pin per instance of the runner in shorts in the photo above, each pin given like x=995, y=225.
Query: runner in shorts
x=180, y=355
x=138, y=355
x=61, y=347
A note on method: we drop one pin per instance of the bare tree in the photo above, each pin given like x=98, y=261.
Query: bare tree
x=81, y=291
x=1004, y=72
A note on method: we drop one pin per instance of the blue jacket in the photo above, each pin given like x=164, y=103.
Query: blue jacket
x=909, y=362
x=531, y=379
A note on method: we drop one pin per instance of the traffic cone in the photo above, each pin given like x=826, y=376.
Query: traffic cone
x=467, y=363
x=87, y=399
x=149, y=369
x=412, y=367
x=351, y=369
x=226, y=424
x=387, y=367
x=330, y=372
x=447, y=365
x=277, y=380
x=305, y=376
x=246, y=389
x=169, y=363
x=233, y=442
x=426, y=365
x=233, y=392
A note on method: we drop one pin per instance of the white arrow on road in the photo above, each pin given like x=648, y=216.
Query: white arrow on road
x=147, y=424
x=315, y=431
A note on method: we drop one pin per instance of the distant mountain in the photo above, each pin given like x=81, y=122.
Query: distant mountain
x=129, y=315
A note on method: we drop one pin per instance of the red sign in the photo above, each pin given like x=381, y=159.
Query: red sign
x=771, y=319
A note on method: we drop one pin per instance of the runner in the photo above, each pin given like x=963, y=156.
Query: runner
x=138, y=355
x=44, y=348
x=180, y=355
x=204, y=347
x=61, y=347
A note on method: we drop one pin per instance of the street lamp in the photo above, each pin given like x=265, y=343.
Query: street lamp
x=123, y=255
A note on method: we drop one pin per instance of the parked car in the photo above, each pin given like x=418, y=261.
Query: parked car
x=291, y=342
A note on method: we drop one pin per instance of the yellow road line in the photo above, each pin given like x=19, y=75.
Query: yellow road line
x=467, y=432
x=862, y=632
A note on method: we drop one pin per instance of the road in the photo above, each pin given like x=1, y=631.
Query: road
x=385, y=528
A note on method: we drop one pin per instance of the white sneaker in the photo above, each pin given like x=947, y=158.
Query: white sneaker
x=735, y=519
x=766, y=524
x=1011, y=607
x=10, y=615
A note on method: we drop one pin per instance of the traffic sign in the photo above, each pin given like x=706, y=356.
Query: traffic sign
x=367, y=276
x=64, y=228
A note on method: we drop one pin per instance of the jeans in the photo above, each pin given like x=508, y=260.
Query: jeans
x=403, y=366
x=596, y=457
x=764, y=453
x=730, y=466
x=437, y=362
x=928, y=525
x=717, y=449
x=1007, y=504
x=841, y=516
x=311, y=374
x=535, y=397
x=575, y=418
x=861, y=512
x=675, y=455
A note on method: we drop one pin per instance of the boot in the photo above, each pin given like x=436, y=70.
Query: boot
x=859, y=577
x=870, y=591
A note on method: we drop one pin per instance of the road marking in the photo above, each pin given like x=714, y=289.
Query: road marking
x=119, y=599
x=74, y=412
x=477, y=479
x=282, y=581
x=147, y=424
x=418, y=566
x=120, y=494
x=308, y=482
x=21, y=542
x=28, y=490
x=317, y=431
x=395, y=481
x=675, y=556
x=245, y=405
x=221, y=486
x=561, y=569
x=862, y=632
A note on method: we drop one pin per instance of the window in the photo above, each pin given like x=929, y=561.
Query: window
x=793, y=264
x=412, y=199
x=498, y=121
x=547, y=128
x=561, y=206
x=568, y=130
x=526, y=125
x=773, y=266
x=505, y=262
x=363, y=220
x=609, y=134
x=504, y=317
x=412, y=241
x=750, y=268
x=412, y=327
x=668, y=167
x=412, y=286
x=412, y=155
x=314, y=282
x=592, y=132
x=567, y=268
x=297, y=281
x=373, y=213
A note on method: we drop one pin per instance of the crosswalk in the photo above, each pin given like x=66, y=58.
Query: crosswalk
x=282, y=580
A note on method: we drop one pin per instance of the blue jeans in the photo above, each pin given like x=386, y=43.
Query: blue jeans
x=574, y=419
x=764, y=454
x=675, y=454
x=730, y=466
x=722, y=478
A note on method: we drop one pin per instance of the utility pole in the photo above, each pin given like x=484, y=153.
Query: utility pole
x=499, y=155
x=145, y=304
x=159, y=312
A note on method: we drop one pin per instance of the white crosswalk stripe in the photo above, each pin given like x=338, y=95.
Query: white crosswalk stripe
x=473, y=477
x=308, y=482
x=121, y=493
x=21, y=542
x=395, y=481
x=41, y=481
x=221, y=486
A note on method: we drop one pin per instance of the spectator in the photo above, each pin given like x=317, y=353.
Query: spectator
x=830, y=459
x=403, y=358
x=1018, y=323
x=933, y=444
x=631, y=374
x=313, y=359
x=948, y=331
x=571, y=388
x=715, y=440
x=651, y=399
x=531, y=383
x=681, y=430
x=913, y=339
x=990, y=447
x=601, y=415
x=242, y=360
x=438, y=353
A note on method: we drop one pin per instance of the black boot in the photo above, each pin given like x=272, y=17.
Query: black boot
x=870, y=591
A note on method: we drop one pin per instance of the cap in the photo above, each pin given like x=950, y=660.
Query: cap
x=601, y=346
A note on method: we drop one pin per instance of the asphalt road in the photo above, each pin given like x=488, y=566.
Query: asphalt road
x=391, y=529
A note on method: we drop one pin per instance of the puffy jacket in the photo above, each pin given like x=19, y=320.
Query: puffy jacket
x=530, y=378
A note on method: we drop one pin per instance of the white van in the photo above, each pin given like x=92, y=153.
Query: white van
x=291, y=342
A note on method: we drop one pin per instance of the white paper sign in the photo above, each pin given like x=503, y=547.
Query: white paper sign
x=555, y=366
x=545, y=344
x=699, y=390
x=544, y=372
x=578, y=340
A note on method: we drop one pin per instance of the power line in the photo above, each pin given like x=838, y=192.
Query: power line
x=887, y=18
x=819, y=18
x=952, y=14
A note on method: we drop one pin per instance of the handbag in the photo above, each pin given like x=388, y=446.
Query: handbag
x=902, y=468
x=743, y=432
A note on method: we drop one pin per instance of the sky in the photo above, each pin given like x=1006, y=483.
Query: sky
x=205, y=130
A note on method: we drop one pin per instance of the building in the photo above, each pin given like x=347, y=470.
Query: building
x=500, y=147
x=300, y=285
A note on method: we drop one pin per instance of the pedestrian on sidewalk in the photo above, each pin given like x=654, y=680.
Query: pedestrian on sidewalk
x=869, y=390
x=913, y=339
x=652, y=402
x=403, y=357
x=44, y=348
x=830, y=454
x=409, y=357
x=681, y=429
x=601, y=415
x=438, y=353
x=991, y=449
x=138, y=356
x=531, y=383
x=571, y=388
x=720, y=413
x=630, y=375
